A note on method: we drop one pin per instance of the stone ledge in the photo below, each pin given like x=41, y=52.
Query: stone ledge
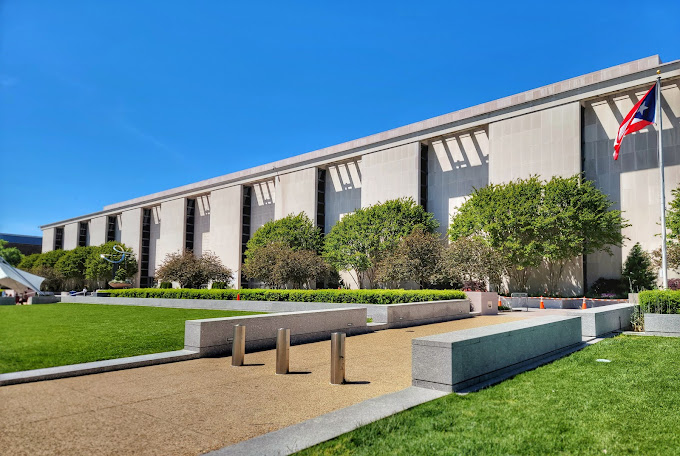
x=75, y=370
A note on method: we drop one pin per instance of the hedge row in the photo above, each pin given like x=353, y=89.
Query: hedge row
x=660, y=301
x=335, y=296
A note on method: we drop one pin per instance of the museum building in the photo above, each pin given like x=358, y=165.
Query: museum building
x=561, y=129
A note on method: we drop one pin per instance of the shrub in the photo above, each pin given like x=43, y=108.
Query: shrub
x=165, y=285
x=278, y=265
x=329, y=296
x=217, y=286
x=660, y=301
x=674, y=284
x=191, y=271
x=608, y=287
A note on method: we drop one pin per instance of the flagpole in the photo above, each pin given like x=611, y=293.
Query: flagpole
x=664, y=263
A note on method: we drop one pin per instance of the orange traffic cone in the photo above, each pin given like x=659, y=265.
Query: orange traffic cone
x=584, y=306
x=499, y=302
x=238, y=296
x=542, y=305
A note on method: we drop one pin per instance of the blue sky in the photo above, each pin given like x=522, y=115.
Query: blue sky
x=106, y=101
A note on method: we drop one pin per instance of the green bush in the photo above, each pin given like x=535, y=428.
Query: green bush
x=332, y=296
x=660, y=301
x=165, y=285
x=220, y=286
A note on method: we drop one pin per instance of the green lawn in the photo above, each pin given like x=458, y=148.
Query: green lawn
x=48, y=335
x=572, y=406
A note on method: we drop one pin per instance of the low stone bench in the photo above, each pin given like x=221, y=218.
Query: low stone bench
x=598, y=321
x=460, y=359
x=214, y=336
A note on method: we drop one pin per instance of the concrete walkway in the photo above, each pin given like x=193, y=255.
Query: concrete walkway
x=200, y=405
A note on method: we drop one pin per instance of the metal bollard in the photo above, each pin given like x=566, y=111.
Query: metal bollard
x=283, y=351
x=337, y=358
x=238, y=346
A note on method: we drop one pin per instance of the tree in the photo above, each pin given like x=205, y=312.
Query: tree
x=72, y=265
x=296, y=231
x=471, y=259
x=358, y=241
x=576, y=219
x=673, y=216
x=192, y=272
x=28, y=262
x=638, y=271
x=505, y=216
x=277, y=265
x=43, y=266
x=11, y=254
x=417, y=257
x=529, y=222
x=100, y=271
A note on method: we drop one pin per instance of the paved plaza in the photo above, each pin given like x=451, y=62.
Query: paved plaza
x=195, y=406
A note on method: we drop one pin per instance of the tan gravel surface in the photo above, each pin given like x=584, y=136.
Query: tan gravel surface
x=195, y=406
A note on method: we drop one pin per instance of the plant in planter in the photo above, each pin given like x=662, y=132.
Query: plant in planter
x=120, y=279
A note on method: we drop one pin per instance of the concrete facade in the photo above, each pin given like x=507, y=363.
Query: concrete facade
x=226, y=216
x=71, y=236
x=560, y=129
x=48, y=240
x=391, y=173
x=295, y=193
x=98, y=230
x=171, y=238
x=202, y=225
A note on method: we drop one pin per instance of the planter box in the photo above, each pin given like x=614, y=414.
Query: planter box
x=662, y=324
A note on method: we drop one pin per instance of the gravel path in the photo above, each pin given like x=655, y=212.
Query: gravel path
x=195, y=406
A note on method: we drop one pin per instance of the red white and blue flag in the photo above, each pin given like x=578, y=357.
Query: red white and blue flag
x=642, y=114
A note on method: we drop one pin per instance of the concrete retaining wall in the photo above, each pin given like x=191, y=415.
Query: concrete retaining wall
x=43, y=299
x=602, y=320
x=214, y=336
x=459, y=359
x=378, y=312
x=484, y=303
x=662, y=324
x=423, y=313
x=7, y=301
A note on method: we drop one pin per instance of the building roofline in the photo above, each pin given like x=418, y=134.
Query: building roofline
x=532, y=98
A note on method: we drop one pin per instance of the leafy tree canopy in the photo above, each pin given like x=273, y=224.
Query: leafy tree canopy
x=358, y=241
x=11, y=254
x=529, y=221
x=417, y=257
x=100, y=271
x=296, y=231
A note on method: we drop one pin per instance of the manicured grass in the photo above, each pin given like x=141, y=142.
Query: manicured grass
x=572, y=406
x=47, y=335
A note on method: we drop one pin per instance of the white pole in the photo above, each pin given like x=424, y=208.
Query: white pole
x=664, y=264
